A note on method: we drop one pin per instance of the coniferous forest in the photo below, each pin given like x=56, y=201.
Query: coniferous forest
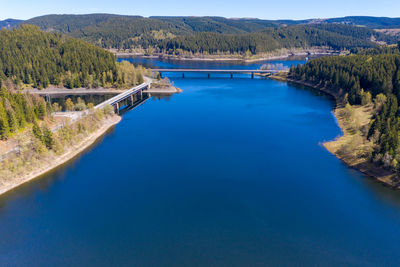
x=370, y=76
x=211, y=35
x=17, y=110
x=29, y=56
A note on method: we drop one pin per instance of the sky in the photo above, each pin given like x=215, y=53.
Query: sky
x=263, y=9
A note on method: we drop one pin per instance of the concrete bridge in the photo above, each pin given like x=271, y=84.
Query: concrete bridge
x=131, y=96
x=223, y=71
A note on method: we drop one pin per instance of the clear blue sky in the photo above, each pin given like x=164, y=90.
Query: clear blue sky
x=265, y=9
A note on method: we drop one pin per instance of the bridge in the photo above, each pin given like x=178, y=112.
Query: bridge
x=130, y=96
x=223, y=71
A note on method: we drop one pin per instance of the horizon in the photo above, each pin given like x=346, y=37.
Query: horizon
x=264, y=10
x=193, y=16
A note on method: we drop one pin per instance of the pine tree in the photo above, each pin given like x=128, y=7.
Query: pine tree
x=42, y=109
x=48, y=139
x=37, y=132
x=4, y=128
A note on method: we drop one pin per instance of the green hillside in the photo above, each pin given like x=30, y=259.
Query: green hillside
x=29, y=56
x=207, y=34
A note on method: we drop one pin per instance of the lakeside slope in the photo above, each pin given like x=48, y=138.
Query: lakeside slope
x=363, y=113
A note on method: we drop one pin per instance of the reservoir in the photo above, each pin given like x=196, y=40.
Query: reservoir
x=230, y=172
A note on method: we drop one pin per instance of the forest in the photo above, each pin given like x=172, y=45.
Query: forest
x=31, y=57
x=369, y=77
x=17, y=110
x=211, y=34
x=338, y=37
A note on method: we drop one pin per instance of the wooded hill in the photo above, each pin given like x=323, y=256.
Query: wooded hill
x=298, y=36
x=208, y=34
x=29, y=56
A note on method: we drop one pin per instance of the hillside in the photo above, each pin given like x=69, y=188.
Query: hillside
x=369, y=22
x=31, y=57
x=298, y=36
x=207, y=34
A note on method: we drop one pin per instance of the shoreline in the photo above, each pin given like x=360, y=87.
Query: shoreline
x=84, y=144
x=85, y=91
x=217, y=58
x=70, y=154
x=369, y=169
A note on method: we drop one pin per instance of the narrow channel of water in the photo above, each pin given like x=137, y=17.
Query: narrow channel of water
x=228, y=173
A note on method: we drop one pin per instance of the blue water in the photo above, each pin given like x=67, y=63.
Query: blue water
x=228, y=173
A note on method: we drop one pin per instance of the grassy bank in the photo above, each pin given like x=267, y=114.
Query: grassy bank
x=353, y=146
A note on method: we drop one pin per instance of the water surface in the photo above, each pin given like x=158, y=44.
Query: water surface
x=228, y=173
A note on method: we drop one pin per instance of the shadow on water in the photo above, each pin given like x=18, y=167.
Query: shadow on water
x=375, y=189
x=44, y=182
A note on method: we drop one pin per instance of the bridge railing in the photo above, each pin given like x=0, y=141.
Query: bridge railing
x=123, y=95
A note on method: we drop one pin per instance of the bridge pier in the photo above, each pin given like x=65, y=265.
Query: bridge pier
x=183, y=75
x=47, y=98
x=252, y=75
x=231, y=75
x=117, y=108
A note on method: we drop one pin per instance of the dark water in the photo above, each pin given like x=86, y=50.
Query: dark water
x=228, y=173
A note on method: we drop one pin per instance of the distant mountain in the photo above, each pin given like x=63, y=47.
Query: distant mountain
x=9, y=23
x=184, y=25
x=137, y=24
x=369, y=22
x=206, y=34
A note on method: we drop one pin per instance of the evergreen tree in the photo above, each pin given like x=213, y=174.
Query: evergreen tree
x=4, y=128
x=37, y=132
x=48, y=139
